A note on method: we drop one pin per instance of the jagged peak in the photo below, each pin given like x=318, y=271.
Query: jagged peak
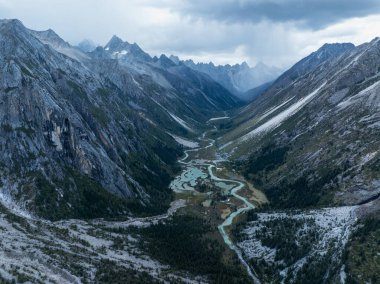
x=13, y=22
x=245, y=65
x=375, y=40
x=335, y=47
x=49, y=34
x=166, y=61
x=114, y=42
x=50, y=37
x=328, y=50
x=190, y=62
x=13, y=25
x=175, y=59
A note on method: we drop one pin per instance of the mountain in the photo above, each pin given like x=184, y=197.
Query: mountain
x=310, y=138
x=254, y=93
x=116, y=166
x=89, y=135
x=310, y=143
x=120, y=49
x=87, y=45
x=238, y=78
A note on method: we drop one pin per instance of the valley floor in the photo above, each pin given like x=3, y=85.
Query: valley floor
x=215, y=231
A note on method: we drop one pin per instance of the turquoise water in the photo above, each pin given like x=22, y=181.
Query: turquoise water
x=188, y=179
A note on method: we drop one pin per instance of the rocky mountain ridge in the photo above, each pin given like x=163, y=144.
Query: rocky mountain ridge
x=317, y=124
x=238, y=78
x=94, y=135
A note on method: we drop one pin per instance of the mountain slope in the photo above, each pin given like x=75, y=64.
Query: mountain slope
x=84, y=137
x=310, y=139
x=190, y=94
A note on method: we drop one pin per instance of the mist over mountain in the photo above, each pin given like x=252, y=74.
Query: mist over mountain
x=238, y=78
x=87, y=45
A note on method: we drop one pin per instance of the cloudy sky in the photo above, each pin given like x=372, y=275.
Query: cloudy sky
x=277, y=32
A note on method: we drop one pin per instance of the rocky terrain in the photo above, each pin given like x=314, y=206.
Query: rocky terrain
x=94, y=130
x=317, y=126
x=309, y=142
x=118, y=167
x=75, y=251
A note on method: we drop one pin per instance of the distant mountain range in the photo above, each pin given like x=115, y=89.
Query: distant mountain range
x=238, y=78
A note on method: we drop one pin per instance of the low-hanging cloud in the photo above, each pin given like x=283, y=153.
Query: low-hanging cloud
x=277, y=32
x=311, y=14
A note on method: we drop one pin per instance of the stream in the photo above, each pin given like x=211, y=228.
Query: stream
x=188, y=179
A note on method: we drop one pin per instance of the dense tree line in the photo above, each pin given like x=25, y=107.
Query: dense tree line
x=309, y=190
x=182, y=243
x=266, y=159
x=304, y=193
x=109, y=272
x=361, y=256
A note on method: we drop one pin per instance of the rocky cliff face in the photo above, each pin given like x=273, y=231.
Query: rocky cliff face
x=87, y=136
x=312, y=136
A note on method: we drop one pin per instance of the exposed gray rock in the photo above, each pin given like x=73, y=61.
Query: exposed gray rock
x=70, y=130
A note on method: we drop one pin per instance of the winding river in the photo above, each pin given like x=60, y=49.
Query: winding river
x=188, y=179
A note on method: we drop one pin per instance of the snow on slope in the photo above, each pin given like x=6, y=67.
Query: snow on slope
x=333, y=227
x=180, y=121
x=272, y=110
x=279, y=118
x=176, y=118
x=184, y=142
x=368, y=93
x=218, y=118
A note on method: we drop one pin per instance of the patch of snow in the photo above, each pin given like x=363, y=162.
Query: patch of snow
x=225, y=145
x=176, y=118
x=272, y=110
x=117, y=53
x=218, y=118
x=368, y=157
x=136, y=106
x=180, y=121
x=342, y=275
x=279, y=118
x=184, y=142
x=137, y=83
x=55, y=138
x=358, y=96
x=8, y=202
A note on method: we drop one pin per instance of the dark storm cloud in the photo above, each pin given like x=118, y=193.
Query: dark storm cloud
x=312, y=14
x=277, y=32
